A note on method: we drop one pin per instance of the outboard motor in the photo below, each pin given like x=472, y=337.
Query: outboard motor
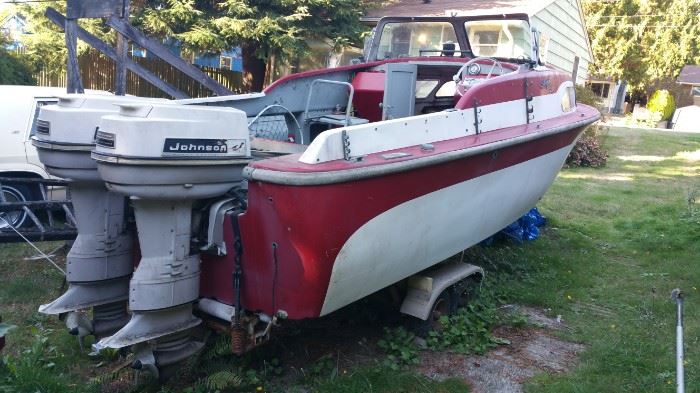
x=100, y=261
x=165, y=157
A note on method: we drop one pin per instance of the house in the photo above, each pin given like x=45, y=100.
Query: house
x=560, y=22
x=610, y=92
x=688, y=118
x=14, y=26
x=689, y=78
x=230, y=59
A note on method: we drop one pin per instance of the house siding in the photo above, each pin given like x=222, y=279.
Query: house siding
x=561, y=22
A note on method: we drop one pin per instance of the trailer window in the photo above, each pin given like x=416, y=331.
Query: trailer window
x=413, y=39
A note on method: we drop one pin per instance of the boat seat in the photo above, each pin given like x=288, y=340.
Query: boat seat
x=338, y=120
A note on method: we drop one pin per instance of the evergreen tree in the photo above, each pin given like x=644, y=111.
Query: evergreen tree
x=13, y=71
x=45, y=43
x=260, y=27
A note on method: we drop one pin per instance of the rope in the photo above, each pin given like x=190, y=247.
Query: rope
x=32, y=244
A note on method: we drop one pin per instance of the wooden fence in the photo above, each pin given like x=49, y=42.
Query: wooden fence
x=98, y=73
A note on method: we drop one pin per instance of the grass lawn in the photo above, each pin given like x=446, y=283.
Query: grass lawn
x=618, y=240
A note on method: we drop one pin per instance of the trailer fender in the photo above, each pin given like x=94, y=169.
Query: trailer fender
x=424, y=288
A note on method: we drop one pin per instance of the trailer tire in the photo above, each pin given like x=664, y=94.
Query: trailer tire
x=442, y=307
x=16, y=193
x=464, y=292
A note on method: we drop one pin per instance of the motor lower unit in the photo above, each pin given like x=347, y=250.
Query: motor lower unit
x=100, y=261
x=165, y=157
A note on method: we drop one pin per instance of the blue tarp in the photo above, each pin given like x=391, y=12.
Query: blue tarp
x=526, y=228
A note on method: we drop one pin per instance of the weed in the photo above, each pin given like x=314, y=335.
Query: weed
x=692, y=213
x=323, y=367
x=34, y=369
x=217, y=382
x=467, y=331
x=515, y=319
x=398, y=343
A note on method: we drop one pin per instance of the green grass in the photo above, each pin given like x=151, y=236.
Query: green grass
x=384, y=380
x=40, y=355
x=619, y=239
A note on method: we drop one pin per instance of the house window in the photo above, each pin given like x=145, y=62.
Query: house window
x=696, y=91
x=226, y=62
x=602, y=90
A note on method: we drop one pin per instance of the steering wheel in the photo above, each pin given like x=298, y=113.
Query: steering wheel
x=459, y=79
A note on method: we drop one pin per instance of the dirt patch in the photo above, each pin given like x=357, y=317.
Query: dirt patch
x=349, y=338
x=532, y=350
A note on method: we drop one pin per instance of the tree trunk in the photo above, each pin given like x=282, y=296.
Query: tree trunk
x=253, y=69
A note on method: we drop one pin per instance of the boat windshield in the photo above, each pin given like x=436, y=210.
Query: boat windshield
x=413, y=39
x=510, y=39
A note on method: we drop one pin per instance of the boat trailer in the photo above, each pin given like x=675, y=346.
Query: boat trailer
x=42, y=220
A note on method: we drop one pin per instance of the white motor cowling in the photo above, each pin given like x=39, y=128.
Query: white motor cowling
x=100, y=261
x=165, y=157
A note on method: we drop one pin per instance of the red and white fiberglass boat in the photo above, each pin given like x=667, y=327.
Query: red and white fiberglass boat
x=344, y=181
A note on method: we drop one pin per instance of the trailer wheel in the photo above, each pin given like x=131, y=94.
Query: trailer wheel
x=15, y=193
x=463, y=293
x=443, y=306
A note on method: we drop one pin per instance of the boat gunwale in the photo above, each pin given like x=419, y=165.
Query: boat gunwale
x=291, y=178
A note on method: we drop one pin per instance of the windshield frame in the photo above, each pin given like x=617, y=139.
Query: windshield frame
x=457, y=22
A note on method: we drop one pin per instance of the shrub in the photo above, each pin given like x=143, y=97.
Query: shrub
x=644, y=118
x=588, y=151
x=586, y=96
x=13, y=71
x=662, y=102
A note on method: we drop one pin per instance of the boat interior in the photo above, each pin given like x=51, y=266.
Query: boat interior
x=413, y=67
x=293, y=112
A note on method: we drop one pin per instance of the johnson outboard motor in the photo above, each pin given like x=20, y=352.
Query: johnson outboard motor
x=100, y=261
x=165, y=157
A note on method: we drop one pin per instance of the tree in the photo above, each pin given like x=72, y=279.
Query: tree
x=46, y=45
x=641, y=41
x=262, y=28
x=13, y=71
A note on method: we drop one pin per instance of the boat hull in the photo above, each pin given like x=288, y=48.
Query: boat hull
x=312, y=249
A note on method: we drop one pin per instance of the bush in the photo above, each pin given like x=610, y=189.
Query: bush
x=643, y=118
x=13, y=71
x=662, y=102
x=588, y=151
x=585, y=95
